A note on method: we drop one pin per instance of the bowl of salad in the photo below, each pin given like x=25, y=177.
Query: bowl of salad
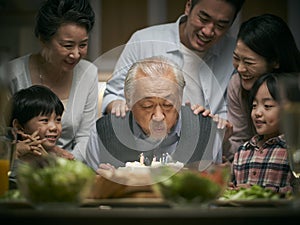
x=188, y=187
x=55, y=182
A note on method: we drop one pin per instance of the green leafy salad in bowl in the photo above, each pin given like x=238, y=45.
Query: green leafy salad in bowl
x=253, y=193
x=55, y=181
x=253, y=196
x=191, y=186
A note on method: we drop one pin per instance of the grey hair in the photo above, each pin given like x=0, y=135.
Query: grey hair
x=156, y=66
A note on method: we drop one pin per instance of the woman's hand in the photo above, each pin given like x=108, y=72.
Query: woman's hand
x=223, y=124
x=62, y=153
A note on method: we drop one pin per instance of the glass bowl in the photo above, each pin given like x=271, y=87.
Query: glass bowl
x=189, y=187
x=54, y=182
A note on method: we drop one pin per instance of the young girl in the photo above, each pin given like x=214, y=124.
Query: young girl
x=265, y=44
x=263, y=159
x=36, y=114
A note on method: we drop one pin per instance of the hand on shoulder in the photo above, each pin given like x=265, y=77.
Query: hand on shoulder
x=117, y=107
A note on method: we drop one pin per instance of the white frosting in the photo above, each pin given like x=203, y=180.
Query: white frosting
x=134, y=164
x=154, y=164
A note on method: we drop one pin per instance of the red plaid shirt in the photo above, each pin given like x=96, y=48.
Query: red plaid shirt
x=266, y=166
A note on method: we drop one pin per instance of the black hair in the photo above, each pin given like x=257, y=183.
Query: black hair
x=237, y=4
x=53, y=13
x=270, y=37
x=271, y=80
x=34, y=101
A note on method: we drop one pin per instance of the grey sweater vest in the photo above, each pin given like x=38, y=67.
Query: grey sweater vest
x=119, y=145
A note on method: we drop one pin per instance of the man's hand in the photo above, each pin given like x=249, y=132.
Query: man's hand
x=198, y=109
x=117, y=107
x=105, y=166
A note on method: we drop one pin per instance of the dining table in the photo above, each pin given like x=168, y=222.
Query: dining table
x=152, y=211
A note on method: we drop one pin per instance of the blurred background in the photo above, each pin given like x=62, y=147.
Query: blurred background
x=116, y=20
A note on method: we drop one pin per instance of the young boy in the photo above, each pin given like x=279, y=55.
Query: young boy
x=263, y=160
x=36, y=114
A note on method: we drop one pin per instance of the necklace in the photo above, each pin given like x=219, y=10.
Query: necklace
x=41, y=79
x=40, y=62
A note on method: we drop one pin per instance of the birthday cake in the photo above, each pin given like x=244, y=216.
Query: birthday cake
x=154, y=164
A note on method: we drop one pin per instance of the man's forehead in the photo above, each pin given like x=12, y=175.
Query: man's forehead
x=155, y=87
x=149, y=80
x=155, y=84
x=220, y=11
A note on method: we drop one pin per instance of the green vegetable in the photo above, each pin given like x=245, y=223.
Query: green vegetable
x=54, y=180
x=11, y=195
x=254, y=192
x=189, y=186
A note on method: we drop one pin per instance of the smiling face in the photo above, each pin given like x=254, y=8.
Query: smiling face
x=156, y=105
x=67, y=47
x=206, y=23
x=265, y=113
x=249, y=65
x=49, y=127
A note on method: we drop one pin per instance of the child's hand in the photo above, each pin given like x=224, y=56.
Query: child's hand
x=30, y=144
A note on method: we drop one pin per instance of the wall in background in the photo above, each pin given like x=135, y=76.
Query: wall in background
x=117, y=20
x=16, y=22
